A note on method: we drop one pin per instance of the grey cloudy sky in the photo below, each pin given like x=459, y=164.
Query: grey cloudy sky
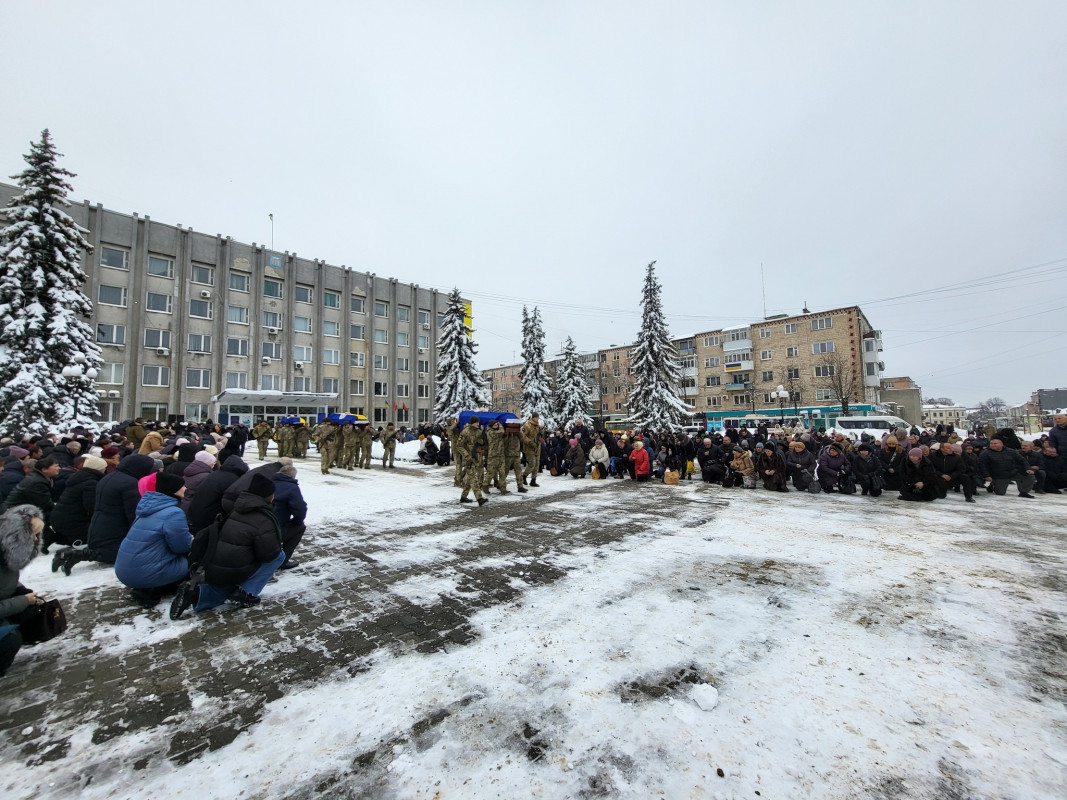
x=544, y=152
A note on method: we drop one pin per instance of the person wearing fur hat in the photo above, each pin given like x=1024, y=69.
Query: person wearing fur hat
x=249, y=552
x=20, y=533
x=152, y=558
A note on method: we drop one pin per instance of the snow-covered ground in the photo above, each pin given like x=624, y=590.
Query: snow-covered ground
x=735, y=643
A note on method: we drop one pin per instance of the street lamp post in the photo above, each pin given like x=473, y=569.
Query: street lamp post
x=781, y=395
x=75, y=373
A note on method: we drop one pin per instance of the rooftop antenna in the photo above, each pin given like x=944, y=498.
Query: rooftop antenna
x=806, y=307
x=763, y=283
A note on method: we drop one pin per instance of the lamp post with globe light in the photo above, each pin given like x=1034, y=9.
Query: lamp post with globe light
x=781, y=395
x=76, y=373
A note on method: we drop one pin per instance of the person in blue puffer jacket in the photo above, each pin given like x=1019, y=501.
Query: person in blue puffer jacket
x=153, y=559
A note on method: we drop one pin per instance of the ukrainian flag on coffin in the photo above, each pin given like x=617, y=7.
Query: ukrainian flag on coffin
x=732, y=367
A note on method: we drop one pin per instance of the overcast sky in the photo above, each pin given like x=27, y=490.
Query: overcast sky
x=543, y=153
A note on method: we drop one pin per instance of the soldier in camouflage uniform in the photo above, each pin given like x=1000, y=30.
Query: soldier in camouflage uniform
x=367, y=439
x=286, y=440
x=531, y=447
x=262, y=433
x=494, y=473
x=472, y=443
x=302, y=437
x=349, y=437
x=388, y=440
x=512, y=462
x=457, y=453
x=329, y=441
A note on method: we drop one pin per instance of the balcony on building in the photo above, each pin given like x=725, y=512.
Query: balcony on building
x=739, y=366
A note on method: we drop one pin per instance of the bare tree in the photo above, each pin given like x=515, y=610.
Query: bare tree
x=995, y=405
x=840, y=378
x=792, y=385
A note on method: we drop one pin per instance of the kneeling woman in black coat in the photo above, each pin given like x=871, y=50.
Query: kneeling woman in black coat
x=918, y=479
x=248, y=553
x=20, y=535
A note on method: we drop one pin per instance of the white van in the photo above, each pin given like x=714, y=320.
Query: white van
x=874, y=426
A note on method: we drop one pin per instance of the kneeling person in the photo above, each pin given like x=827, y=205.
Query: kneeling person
x=152, y=558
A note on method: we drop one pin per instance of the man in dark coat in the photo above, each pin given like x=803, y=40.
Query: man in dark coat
x=1000, y=465
x=14, y=470
x=117, y=497
x=208, y=501
x=239, y=438
x=36, y=489
x=248, y=553
x=75, y=507
x=952, y=470
x=186, y=453
x=918, y=478
x=291, y=510
x=712, y=461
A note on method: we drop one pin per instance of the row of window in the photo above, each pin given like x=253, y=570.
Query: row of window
x=765, y=332
x=201, y=379
x=200, y=411
x=107, y=333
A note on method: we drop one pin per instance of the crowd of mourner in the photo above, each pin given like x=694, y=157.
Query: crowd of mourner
x=176, y=510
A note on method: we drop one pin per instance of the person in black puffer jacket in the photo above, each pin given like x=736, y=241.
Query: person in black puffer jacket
x=207, y=504
x=117, y=497
x=36, y=489
x=248, y=553
x=14, y=471
x=185, y=455
x=868, y=470
x=918, y=478
x=74, y=510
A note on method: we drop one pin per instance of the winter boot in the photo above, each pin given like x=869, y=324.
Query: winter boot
x=465, y=500
x=242, y=599
x=533, y=482
x=186, y=596
x=66, y=559
x=483, y=500
x=523, y=490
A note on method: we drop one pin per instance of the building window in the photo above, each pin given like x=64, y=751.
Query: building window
x=158, y=302
x=197, y=379
x=112, y=295
x=240, y=281
x=152, y=375
x=822, y=323
x=871, y=369
x=381, y=362
x=154, y=411
x=765, y=333
x=160, y=267
x=822, y=347
x=424, y=342
x=381, y=389
x=272, y=288
x=331, y=300
x=793, y=373
x=709, y=341
x=272, y=319
x=301, y=384
x=201, y=309
x=742, y=399
x=381, y=309
x=869, y=345
x=424, y=316
x=737, y=336
x=381, y=414
x=687, y=362
x=357, y=359
x=403, y=340
x=794, y=397
x=331, y=356
x=199, y=343
x=792, y=352
x=114, y=257
x=329, y=385
x=111, y=334
x=424, y=415
x=272, y=350
x=236, y=380
x=737, y=358
x=110, y=373
x=713, y=380
x=303, y=294
x=768, y=375
x=356, y=332
x=423, y=390
x=270, y=383
x=713, y=400
x=790, y=327
x=203, y=274
x=302, y=324
x=403, y=364
x=236, y=347
x=196, y=411
x=824, y=394
x=710, y=362
x=825, y=371
x=156, y=338
x=381, y=336
x=356, y=305
x=403, y=313
x=302, y=352
x=403, y=390
x=765, y=355
x=357, y=386
x=331, y=328
x=238, y=314
x=424, y=366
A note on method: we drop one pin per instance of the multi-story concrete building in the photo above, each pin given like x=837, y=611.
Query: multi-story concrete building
x=193, y=325
x=729, y=373
x=940, y=414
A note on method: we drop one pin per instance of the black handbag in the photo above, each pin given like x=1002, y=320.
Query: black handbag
x=47, y=622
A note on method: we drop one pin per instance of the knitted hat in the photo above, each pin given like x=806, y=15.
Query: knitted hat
x=863, y=448
x=915, y=451
x=94, y=463
x=17, y=452
x=109, y=452
x=957, y=448
x=261, y=485
x=204, y=457
x=210, y=448
x=169, y=484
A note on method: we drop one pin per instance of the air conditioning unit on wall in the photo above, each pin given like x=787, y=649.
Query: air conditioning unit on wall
x=266, y=360
x=298, y=365
x=204, y=293
x=162, y=351
x=272, y=331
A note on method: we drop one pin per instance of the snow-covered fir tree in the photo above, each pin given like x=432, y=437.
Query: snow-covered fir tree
x=655, y=401
x=572, y=388
x=42, y=306
x=460, y=386
x=536, y=389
